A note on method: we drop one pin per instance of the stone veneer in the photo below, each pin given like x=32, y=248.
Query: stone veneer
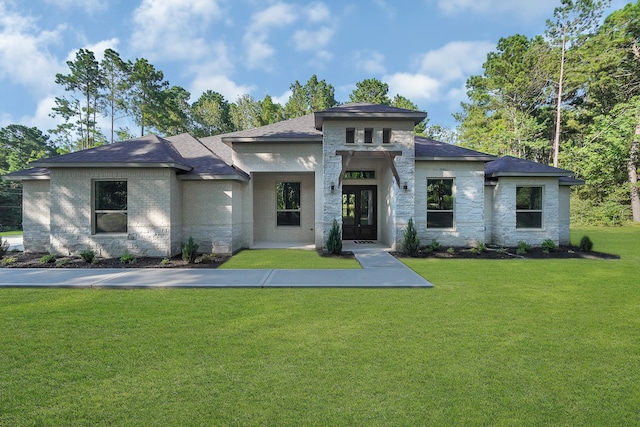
x=36, y=216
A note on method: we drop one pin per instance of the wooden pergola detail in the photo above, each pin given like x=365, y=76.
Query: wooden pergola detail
x=388, y=155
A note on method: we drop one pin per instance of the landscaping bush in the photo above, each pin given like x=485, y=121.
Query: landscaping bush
x=48, y=259
x=435, y=246
x=334, y=241
x=88, y=255
x=9, y=260
x=410, y=243
x=523, y=247
x=190, y=251
x=127, y=258
x=4, y=247
x=586, y=244
x=548, y=246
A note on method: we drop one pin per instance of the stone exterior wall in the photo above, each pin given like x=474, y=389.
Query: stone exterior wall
x=504, y=231
x=564, y=215
x=400, y=204
x=469, y=198
x=149, y=210
x=36, y=204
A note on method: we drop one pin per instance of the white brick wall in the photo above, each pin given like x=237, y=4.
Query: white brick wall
x=36, y=204
x=469, y=223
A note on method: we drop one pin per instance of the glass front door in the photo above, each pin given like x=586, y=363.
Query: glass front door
x=359, y=217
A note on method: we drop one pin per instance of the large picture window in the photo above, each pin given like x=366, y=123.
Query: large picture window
x=440, y=203
x=528, y=207
x=110, y=206
x=288, y=203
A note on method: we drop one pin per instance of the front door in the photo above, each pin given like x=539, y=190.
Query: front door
x=359, y=217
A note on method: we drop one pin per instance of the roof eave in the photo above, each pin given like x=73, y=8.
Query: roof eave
x=25, y=177
x=530, y=174
x=483, y=159
x=571, y=181
x=170, y=165
x=213, y=177
x=417, y=116
x=232, y=139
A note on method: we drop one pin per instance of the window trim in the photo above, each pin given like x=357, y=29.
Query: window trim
x=540, y=211
x=453, y=204
x=298, y=210
x=95, y=211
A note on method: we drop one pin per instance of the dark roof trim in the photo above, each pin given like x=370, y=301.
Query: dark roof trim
x=210, y=177
x=416, y=116
x=564, y=180
x=530, y=174
x=275, y=139
x=485, y=158
x=170, y=165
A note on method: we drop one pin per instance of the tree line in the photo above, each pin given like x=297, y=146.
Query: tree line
x=571, y=98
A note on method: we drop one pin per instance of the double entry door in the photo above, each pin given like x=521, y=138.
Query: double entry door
x=359, y=216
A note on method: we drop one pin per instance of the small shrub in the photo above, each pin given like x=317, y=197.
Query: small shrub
x=165, y=261
x=127, y=258
x=474, y=250
x=9, y=260
x=501, y=251
x=410, y=242
x=190, y=251
x=62, y=262
x=548, y=246
x=523, y=247
x=480, y=246
x=4, y=247
x=48, y=259
x=427, y=250
x=451, y=251
x=435, y=246
x=586, y=244
x=88, y=255
x=334, y=241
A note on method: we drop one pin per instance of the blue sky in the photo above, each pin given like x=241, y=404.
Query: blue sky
x=424, y=49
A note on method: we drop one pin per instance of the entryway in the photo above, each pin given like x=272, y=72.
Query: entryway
x=359, y=212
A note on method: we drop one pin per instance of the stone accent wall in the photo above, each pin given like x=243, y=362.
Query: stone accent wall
x=150, y=202
x=469, y=197
x=399, y=204
x=35, y=216
x=504, y=231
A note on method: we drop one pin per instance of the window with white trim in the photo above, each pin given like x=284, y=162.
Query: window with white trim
x=110, y=207
x=288, y=203
x=528, y=207
x=440, y=203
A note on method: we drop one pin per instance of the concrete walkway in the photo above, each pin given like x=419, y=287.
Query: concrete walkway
x=379, y=270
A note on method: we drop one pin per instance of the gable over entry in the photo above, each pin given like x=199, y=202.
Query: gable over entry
x=387, y=155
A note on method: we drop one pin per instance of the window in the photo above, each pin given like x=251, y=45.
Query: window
x=528, y=207
x=386, y=136
x=440, y=203
x=368, y=136
x=288, y=203
x=110, y=206
x=359, y=175
x=351, y=135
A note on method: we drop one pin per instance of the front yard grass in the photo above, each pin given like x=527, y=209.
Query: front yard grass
x=513, y=342
x=288, y=259
x=11, y=233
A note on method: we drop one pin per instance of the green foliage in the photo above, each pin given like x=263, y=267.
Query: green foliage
x=62, y=262
x=315, y=95
x=435, y=245
x=4, y=247
x=190, y=251
x=480, y=246
x=410, y=241
x=451, y=251
x=127, y=258
x=165, y=261
x=334, y=241
x=48, y=259
x=548, y=245
x=9, y=260
x=371, y=90
x=211, y=115
x=586, y=245
x=88, y=255
x=523, y=247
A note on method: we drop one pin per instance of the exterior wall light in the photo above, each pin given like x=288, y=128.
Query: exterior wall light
x=405, y=187
x=333, y=186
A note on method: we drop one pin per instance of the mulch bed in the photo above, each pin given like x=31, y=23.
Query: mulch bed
x=31, y=260
x=561, y=252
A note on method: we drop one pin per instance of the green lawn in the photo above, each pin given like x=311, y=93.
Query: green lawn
x=513, y=342
x=11, y=233
x=287, y=259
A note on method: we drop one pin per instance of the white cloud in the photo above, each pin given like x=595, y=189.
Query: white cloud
x=282, y=99
x=455, y=60
x=97, y=49
x=218, y=83
x=24, y=55
x=173, y=29
x=88, y=5
x=259, y=51
x=371, y=62
x=524, y=9
x=312, y=40
x=416, y=87
x=317, y=12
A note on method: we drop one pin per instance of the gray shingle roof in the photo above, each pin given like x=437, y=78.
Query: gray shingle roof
x=512, y=166
x=429, y=149
x=367, y=110
x=146, y=150
x=27, y=174
x=300, y=128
